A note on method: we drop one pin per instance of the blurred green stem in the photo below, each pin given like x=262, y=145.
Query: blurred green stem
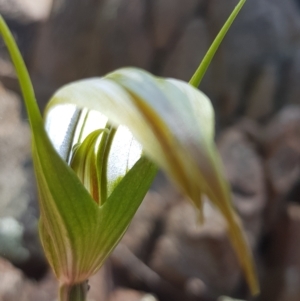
x=77, y=292
x=198, y=75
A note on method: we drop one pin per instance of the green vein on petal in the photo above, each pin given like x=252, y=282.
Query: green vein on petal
x=84, y=164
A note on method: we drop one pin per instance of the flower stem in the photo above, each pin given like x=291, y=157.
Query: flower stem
x=76, y=292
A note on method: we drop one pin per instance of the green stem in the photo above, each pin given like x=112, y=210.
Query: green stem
x=198, y=75
x=76, y=292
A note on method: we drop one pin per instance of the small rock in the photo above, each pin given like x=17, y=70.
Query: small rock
x=189, y=50
x=15, y=287
x=127, y=42
x=18, y=201
x=188, y=251
x=44, y=290
x=11, y=234
x=282, y=150
x=292, y=74
x=195, y=287
x=14, y=152
x=12, y=283
x=131, y=270
x=130, y=295
x=244, y=171
x=282, y=271
x=224, y=298
x=141, y=232
x=285, y=125
x=260, y=103
x=169, y=17
x=26, y=11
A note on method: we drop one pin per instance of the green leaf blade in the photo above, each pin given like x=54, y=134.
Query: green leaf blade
x=23, y=76
x=201, y=70
x=68, y=214
x=120, y=207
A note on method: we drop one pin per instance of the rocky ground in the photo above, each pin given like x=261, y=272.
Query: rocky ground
x=254, y=84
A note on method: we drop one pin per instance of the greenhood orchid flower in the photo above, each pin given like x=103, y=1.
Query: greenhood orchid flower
x=97, y=152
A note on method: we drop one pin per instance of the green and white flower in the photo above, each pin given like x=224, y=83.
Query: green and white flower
x=97, y=152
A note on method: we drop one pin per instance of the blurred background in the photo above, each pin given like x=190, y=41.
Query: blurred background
x=254, y=85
